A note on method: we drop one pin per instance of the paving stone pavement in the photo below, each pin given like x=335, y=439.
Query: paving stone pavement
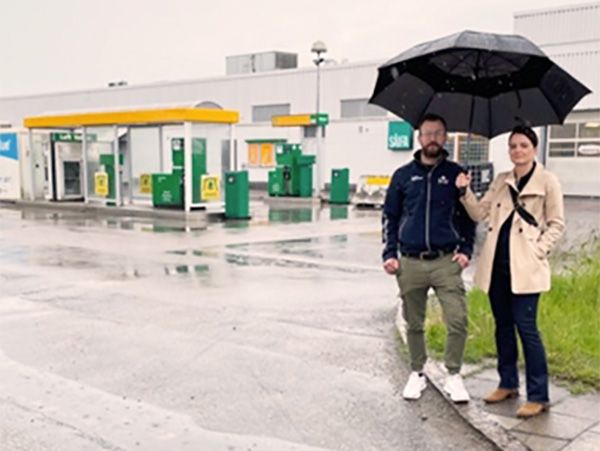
x=571, y=424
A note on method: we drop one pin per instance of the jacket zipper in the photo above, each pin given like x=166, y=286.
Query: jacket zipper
x=428, y=207
x=452, y=224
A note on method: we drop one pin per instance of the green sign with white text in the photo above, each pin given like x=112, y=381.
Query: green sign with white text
x=319, y=118
x=72, y=137
x=400, y=136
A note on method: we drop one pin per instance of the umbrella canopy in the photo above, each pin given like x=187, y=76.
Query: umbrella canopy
x=478, y=82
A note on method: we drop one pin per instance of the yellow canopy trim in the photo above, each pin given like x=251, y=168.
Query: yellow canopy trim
x=134, y=117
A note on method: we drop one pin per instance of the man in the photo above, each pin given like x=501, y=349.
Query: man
x=423, y=217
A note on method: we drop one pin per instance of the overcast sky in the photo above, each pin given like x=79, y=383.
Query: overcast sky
x=60, y=45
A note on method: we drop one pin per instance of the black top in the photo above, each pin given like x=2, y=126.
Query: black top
x=422, y=211
x=502, y=257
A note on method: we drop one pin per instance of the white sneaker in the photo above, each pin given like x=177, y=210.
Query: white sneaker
x=456, y=389
x=414, y=387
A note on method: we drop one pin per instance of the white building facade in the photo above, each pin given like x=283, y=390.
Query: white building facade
x=357, y=134
x=570, y=36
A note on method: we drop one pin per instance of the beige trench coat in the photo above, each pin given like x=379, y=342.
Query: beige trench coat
x=529, y=245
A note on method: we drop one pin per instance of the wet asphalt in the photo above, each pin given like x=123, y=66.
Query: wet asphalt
x=273, y=334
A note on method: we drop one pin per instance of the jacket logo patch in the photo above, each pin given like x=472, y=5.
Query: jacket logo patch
x=416, y=178
x=443, y=180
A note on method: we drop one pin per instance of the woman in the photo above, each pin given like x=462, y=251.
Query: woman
x=524, y=212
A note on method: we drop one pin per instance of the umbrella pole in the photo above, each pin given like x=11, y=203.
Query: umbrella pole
x=468, y=149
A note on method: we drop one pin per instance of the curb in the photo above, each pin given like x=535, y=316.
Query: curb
x=473, y=415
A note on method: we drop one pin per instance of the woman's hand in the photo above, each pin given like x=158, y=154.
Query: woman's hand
x=463, y=180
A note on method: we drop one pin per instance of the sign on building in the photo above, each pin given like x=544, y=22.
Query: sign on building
x=400, y=135
x=9, y=166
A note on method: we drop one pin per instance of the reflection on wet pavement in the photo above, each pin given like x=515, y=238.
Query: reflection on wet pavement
x=187, y=270
x=289, y=215
x=347, y=248
x=78, y=222
x=338, y=212
x=258, y=261
x=279, y=335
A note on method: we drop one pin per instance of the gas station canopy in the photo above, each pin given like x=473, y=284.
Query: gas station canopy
x=133, y=117
x=158, y=117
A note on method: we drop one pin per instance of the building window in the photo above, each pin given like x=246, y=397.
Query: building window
x=566, y=131
x=360, y=108
x=561, y=149
x=477, y=150
x=264, y=113
x=589, y=130
x=449, y=146
x=310, y=131
x=575, y=139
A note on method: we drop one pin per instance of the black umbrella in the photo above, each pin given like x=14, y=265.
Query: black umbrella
x=478, y=82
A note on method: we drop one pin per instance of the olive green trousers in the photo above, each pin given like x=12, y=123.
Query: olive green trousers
x=415, y=278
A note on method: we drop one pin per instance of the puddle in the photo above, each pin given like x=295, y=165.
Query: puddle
x=186, y=270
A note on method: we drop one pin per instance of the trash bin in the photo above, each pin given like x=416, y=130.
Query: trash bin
x=167, y=190
x=237, y=197
x=339, y=190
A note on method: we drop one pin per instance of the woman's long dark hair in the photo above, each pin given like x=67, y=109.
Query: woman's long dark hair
x=527, y=131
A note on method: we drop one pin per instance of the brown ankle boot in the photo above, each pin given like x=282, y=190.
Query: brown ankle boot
x=531, y=409
x=501, y=394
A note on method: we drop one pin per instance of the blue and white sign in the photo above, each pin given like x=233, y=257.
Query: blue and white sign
x=8, y=146
x=10, y=181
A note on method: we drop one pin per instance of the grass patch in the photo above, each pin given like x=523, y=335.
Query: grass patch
x=568, y=318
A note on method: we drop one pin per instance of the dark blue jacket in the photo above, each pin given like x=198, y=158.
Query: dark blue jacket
x=422, y=211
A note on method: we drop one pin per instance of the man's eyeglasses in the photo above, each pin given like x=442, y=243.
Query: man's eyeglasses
x=436, y=134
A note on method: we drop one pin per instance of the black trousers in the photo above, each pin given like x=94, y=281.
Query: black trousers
x=517, y=313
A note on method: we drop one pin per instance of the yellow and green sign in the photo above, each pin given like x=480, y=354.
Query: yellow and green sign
x=209, y=189
x=101, y=184
x=146, y=183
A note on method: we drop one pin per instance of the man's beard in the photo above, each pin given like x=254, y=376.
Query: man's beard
x=433, y=150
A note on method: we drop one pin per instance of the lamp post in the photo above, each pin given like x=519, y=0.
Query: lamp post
x=318, y=48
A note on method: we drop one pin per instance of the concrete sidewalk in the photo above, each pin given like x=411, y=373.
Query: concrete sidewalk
x=572, y=424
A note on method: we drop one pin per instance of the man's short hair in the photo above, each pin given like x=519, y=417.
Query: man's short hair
x=430, y=117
